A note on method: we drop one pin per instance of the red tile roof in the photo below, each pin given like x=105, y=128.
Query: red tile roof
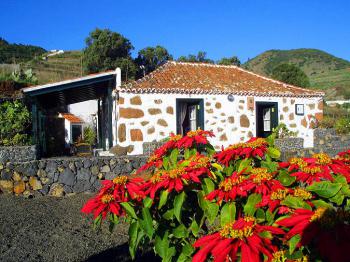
x=72, y=118
x=180, y=77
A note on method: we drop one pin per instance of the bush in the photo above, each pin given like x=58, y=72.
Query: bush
x=89, y=135
x=282, y=131
x=14, y=122
x=342, y=126
x=326, y=122
x=190, y=202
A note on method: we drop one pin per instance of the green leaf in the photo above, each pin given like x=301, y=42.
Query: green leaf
x=209, y=185
x=260, y=215
x=320, y=203
x=97, y=222
x=185, y=255
x=133, y=230
x=338, y=198
x=163, y=198
x=166, y=163
x=325, y=189
x=147, y=202
x=212, y=212
x=295, y=202
x=161, y=246
x=228, y=213
x=187, y=153
x=250, y=206
x=147, y=223
x=173, y=156
x=285, y=178
x=293, y=242
x=180, y=232
x=194, y=227
x=217, y=166
x=273, y=152
x=168, y=215
x=178, y=201
x=129, y=209
x=244, y=164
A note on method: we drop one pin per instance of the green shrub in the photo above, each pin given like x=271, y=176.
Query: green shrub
x=14, y=122
x=89, y=135
x=282, y=131
x=326, y=122
x=342, y=126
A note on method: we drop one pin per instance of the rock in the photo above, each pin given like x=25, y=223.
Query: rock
x=67, y=189
x=44, y=180
x=45, y=189
x=16, y=177
x=78, y=164
x=51, y=167
x=110, y=176
x=56, y=190
x=19, y=187
x=35, y=183
x=6, y=174
x=100, y=176
x=41, y=173
x=86, y=163
x=60, y=169
x=71, y=165
x=105, y=169
x=95, y=170
x=81, y=186
x=128, y=167
x=28, y=194
x=83, y=174
x=6, y=186
x=67, y=177
x=120, y=150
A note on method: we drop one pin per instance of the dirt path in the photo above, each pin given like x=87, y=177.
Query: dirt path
x=53, y=229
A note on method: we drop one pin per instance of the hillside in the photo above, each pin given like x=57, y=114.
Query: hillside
x=326, y=72
x=57, y=68
x=17, y=53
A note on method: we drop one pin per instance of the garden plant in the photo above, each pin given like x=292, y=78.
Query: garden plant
x=192, y=203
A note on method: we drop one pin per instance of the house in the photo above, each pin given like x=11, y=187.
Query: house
x=234, y=103
x=74, y=128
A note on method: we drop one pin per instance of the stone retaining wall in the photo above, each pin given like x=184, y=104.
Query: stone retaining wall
x=58, y=177
x=290, y=143
x=19, y=153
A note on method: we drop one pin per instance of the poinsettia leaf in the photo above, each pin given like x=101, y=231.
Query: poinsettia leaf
x=325, y=189
x=186, y=253
x=146, y=222
x=228, y=213
x=285, y=178
x=194, y=227
x=270, y=165
x=178, y=202
x=97, y=221
x=244, y=164
x=180, y=232
x=274, y=152
x=320, y=203
x=217, y=166
x=173, y=156
x=133, y=232
x=212, y=212
x=250, y=206
x=203, y=204
x=295, y=202
x=338, y=198
x=209, y=185
x=293, y=242
x=161, y=246
x=166, y=163
x=260, y=215
x=163, y=198
x=129, y=209
x=187, y=153
x=147, y=202
x=266, y=234
x=169, y=214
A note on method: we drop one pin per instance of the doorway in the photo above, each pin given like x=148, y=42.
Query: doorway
x=189, y=115
x=266, y=118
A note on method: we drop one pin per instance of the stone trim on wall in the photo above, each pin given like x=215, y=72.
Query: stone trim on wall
x=20, y=153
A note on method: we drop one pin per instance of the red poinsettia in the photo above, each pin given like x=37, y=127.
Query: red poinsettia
x=328, y=229
x=261, y=181
x=242, y=236
x=229, y=188
x=255, y=147
x=168, y=146
x=102, y=204
x=198, y=137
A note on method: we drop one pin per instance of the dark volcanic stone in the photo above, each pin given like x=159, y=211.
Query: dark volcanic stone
x=67, y=177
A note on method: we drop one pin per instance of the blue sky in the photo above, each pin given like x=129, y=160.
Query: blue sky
x=221, y=28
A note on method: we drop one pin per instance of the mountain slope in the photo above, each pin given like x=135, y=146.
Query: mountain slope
x=326, y=72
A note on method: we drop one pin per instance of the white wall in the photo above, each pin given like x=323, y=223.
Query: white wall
x=218, y=112
x=84, y=110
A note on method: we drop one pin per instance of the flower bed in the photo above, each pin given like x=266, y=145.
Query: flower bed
x=193, y=203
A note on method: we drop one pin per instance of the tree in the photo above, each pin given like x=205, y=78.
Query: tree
x=107, y=50
x=150, y=58
x=234, y=60
x=290, y=74
x=199, y=58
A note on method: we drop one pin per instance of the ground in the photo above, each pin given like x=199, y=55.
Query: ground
x=53, y=229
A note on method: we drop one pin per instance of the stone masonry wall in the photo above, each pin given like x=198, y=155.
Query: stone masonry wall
x=20, y=153
x=58, y=177
x=152, y=117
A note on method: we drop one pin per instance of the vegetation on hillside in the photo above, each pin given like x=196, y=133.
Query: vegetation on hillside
x=16, y=53
x=325, y=71
x=290, y=74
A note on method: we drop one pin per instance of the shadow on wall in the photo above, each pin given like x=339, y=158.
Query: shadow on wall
x=121, y=254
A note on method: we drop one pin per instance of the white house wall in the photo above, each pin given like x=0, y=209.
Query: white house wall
x=152, y=117
x=85, y=110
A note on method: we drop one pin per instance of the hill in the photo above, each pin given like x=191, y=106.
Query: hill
x=57, y=67
x=325, y=71
x=17, y=53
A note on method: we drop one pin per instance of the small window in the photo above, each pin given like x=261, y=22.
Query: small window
x=267, y=119
x=77, y=132
x=193, y=117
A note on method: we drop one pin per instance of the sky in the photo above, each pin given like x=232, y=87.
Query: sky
x=222, y=28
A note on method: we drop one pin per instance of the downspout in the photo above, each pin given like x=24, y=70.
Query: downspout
x=115, y=96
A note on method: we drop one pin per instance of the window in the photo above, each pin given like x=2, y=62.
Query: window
x=267, y=119
x=193, y=117
x=77, y=131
